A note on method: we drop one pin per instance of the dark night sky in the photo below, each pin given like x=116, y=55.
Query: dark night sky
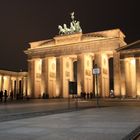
x=24, y=21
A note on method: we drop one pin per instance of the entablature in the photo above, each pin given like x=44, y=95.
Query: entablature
x=77, y=48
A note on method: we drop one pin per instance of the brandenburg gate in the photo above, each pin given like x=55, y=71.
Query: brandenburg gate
x=70, y=56
x=53, y=63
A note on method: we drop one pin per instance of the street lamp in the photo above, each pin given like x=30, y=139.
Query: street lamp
x=96, y=72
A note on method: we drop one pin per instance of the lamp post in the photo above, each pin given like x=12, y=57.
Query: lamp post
x=96, y=72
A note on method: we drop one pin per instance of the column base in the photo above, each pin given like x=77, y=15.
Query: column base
x=138, y=97
x=123, y=96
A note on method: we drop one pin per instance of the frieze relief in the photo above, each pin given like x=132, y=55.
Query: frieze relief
x=88, y=72
x=38, y=75
x=105, y=71
x=52, y=74
x=67, y=74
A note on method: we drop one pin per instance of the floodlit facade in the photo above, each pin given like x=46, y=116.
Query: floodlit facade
x=15, y=82
x=53, y=63
x=71, y=56
x=130, y=70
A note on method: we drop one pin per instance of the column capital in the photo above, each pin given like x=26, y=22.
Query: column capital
x=33, y=59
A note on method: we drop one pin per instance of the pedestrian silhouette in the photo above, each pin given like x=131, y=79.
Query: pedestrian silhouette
x=1, y=95
x=11, y=95
x=84, y=95
x=87, y=95
x=91, y=95
x=5, y=96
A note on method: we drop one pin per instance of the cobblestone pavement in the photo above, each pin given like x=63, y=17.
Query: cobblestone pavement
x=104, y=123
x=26, y=109
x=23, y=109
x=41, y=120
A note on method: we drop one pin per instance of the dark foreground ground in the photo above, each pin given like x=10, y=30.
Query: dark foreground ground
x=113, y=119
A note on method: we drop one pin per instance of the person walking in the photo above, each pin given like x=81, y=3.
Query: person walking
x=1, y=95
x=5, y=96
x=11, y=95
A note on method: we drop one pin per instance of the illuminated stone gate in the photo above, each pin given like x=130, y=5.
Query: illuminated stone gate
x=53, y=63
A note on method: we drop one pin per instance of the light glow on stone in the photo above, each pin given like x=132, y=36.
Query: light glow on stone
x=133, y=61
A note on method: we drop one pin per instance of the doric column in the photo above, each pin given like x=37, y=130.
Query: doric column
x=63, y=80
x=122, y=78
x=34, y=71
x=17, y=85
x=88, y=67
x=133, y=77
x=44, y=80
x=31, y=77
x=9, y=83
x=58, y=80
x=49, y=76
x=80, y=74
x=6, y=83
x=138, y=76
x=12, y=84
x=66, y=74
x=98, y=61
x=84, y=73
x=130, y=75
x=101, y=59
x=25, y=86
x=116, y=65
x=105, y=74
x=127, y=77
x=22, y=85
x=2, y=82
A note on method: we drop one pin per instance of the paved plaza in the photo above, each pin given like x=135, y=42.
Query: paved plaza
x=103, y=123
